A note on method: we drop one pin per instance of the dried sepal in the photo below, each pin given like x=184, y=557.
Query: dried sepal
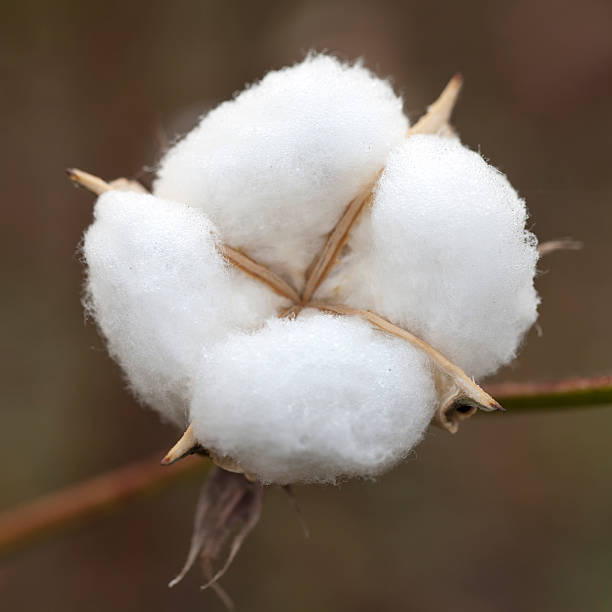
x=563, y=244
x=452, y=412
x=323, y=263
x=228, y=464
x=447, y=131
x=89, y=181
x=467, y=389
x=125, y=184
x=189, y=445
x=454, y=405
x=434, y=121
x=260, y=272
x=437, y=118
x=229, y=507
x=290, y=312
x=186, y=445
x=234, y=256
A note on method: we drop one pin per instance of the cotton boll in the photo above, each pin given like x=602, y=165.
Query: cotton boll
x=312, y=399
x=275, y=167
x=446, y=255
x=160, y=291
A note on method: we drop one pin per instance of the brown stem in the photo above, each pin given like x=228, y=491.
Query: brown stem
x=89, y=497
x=43, y=515
x=565, y=393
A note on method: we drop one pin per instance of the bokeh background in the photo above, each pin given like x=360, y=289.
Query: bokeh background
x=513, y=513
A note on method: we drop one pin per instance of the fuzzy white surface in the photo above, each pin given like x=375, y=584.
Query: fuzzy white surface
x=275, y=167
x=313, y=399
x=160, y=292
x=444, y=253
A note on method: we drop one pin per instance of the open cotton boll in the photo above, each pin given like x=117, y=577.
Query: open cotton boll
x=312, y=399
x=160, y=291
x=446, y=254
x=275, y=167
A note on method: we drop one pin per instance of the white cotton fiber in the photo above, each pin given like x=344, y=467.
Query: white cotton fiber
x=275, y=167
x=313, y=399
x=446, y=255
x=442, y=252
x=160, y=292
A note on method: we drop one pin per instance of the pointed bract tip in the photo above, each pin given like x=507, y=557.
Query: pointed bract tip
x=185, y=446
x=90, y=182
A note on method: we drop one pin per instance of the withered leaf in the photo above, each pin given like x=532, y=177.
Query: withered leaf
x=229, y=507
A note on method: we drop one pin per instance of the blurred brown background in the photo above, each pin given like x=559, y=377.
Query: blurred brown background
x=513, y=513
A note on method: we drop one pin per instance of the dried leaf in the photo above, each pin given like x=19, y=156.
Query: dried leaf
x=229, y=505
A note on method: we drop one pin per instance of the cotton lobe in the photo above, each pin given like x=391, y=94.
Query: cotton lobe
x=312, y=399
x=160, y=291
x=275, y=167
x=442, y=252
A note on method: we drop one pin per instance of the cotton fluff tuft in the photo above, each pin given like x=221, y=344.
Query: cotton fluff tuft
x=275, y=167
x=442, y=252
x=313, y=399
x=445, y=254
x=160, y=292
